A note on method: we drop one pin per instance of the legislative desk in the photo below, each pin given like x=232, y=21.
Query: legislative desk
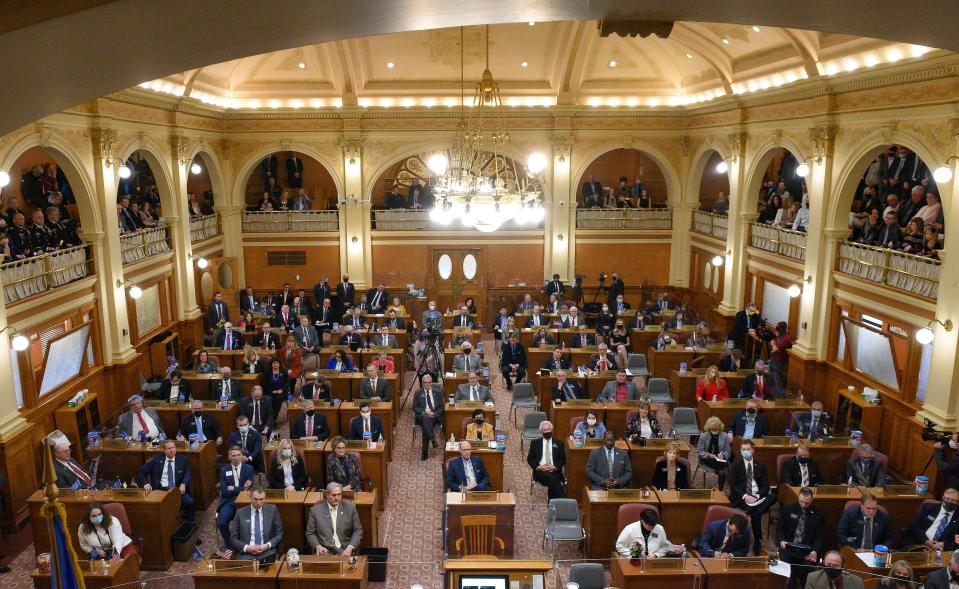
x=336, y=573
x=683, y=386
x=373, y=462
x=778, y=412
x=264, y=577
x=831, y=457
x=452, y=380
x=683, y=516
x=290, y=506
x=450, y=317
x=722, y=574
x=492, y=461
x=900, y=501
x=117, y=574
x=522, y=572
x=502, y=505
x=153, y=515
x=560, y=415
x=922, y=563
x=830, y=500
x=635, y=574
x=473, y=335
x=599, y=519
x=382, y=409
x=393, y=385
x=662, y=362
x=340, y=382
x=365, y=503
x=536, y=358
x=365, y=357
x=543, y=385
x=329, y=410
x=313, y=459
x=453, y=421
x=643, y=458
x=575, y=471
x=234, y=358
x=171, y=416
x=200, y=383
x=124, y=461
x=642, y=339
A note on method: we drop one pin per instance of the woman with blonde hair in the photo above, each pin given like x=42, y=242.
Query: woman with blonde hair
x=900, y=576
x=287, y=471
x=714, y=449
x=671, y=474
x=712, y=387
x=397, y=306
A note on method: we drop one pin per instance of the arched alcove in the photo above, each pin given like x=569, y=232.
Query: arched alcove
x=611, y=166
x=713, y=183
x=35, y=177
x=774, y=182
x=200, y=183
x=314, y=178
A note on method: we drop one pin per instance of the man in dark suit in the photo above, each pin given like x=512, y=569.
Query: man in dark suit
x=322, y=290
x=168, y=471
x=258, y=411
x=268, y=168
x=373, y=387
x=377, y=299
x=758, y=385
x=801, y=470
x=310, y=425
x=393, y=322
x=248, y=301
x=350, y=338
x=745, y=321
x=567, y=390
x=464, y=319
x=555, y=286
x=234, y=477
x=864, y=527
x=285, y=297
x=294, y=171
x=325, y=317
x=731, y=361
x=814, y=424
x=217, y=313
x=547, y=458
x=356, y=320
x=936, y=524
x=256, y=531
x=724, y=538
x=617, y=288
x=592, y=192
x=299, y=308
x=225, y=384
x=249, y=441
x=832, y=575
x=536, y=319
x=198, y=423
x=266, y=339
x=229, y=339
x=865, y=469
x=558, y=361
x=749, y=490
x=428, y=411
x=175, y=389
x=513, y=361
x=367, y=422
x=69, y=471
x=285, y=319
x=944, y=578
x=317, y=390
x=749, y=423
x=345, y=294
x=603, y=360
x=800, y=523
x=582, y=339
x=467, y=473
x=608, y=467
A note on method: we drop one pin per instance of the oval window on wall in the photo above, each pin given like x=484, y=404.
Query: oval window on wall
x=225, y=275
x=469, y=266
x=716, y=279
x=445, y=266
x=707, y=276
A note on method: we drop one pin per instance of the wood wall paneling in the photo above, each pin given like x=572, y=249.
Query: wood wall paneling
x=636, y=263
x=320, y=260
x=608, y=168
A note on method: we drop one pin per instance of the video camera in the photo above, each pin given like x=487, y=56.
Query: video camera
x=931, y=434
x=602, y=279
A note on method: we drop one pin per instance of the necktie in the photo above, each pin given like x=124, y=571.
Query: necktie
x=800, y=528
x=569, y=392
x=256, y=413
x=243, y=441
x=199, y=430
x=336, y=537
x=309, y=425
x=227, y=342
x=602, y=364
x=473, y=393
x=548, y=452
x=943, y=522
x=170, y=482
x=470, y=475
x=83, y=476
x=813, y=428
x=219, y=311
x=385, y=340
x=749, y=478
x=373, y=385
x=257, y=530
x=725, y=545
x=805, y=475
x=366, y=425
x=582, y=342
x=759, y=385
x=143, y=423
x=376, y=299
x=306, y=337
x=429, y=400
x=609, y=460
x=236, y=477
x=867, y=533
x=226, y=386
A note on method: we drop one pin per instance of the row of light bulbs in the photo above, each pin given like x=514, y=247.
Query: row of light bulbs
x=941, y=175
x=124, y=172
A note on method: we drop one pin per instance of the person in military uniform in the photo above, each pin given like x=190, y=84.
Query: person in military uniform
x=21, y=240
x=40, y=233
x=63, y=235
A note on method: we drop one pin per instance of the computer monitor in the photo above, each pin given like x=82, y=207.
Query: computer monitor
x=484, y=582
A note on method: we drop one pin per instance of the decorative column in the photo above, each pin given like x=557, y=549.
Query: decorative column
x=355, y=218
x=737, y=230
x=559, y=243
x=680, y=244
x=231, y=213
x=179, y=230
x=10, y=420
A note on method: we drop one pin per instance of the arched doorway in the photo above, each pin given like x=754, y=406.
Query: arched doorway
x=714, y=185
x=199, y=187
x=275, y=183
x=602, y=182
x=779, y=188
x=139, y=204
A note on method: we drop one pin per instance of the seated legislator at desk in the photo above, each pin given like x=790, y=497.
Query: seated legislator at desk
x=225, y=386
x=603, y=360
x=310, y=425
x=339, y=361
x=467, y=472
x=642, y=425
x=266, y=339
x=527, y=305
x=478, y=429
x=356, y=321
x=608, y=467
x=547, y=457
x=699, y=338
x=553, y=305
x=249, y=441
x=229, y=339
x=472, y=390
x=257, y=530
x=175, y=389
x=536, y=319
x=582, y=339
x=724, y=538
x=513, y=361
x=350, y=339
x=168, y=471
x=567, y=390
x=619, y=389
x=463, y=319
x=101, y=536
x=285, y=320
x=70, y=475
x=865, y=469
x=749, y=490
x=558, y=361
x=663, y=338
x=712, y=387
x=731, y=361
x=317, y=390
x=572, y=319
x=814, y=424
x=259, y=411
x=467, y=360
x=428, y=412
x=799, y=536
x=542, y=338
x=638, y=320
x=287, y=471
x=253, y=363
x=383, y=339
x=343, y=467
x=645, y=538
x=334, y=525
x=139, y=422
x=833, y=576
x=204, y=426
x=374, y=388
x=670, y=474
x=234, y=478
x=801, y=470
x=936, y=524
x=750, y=423
x=590, y=426
x=392, y=321
x=758, y=385
x=384, y=362
x=367, y=423
x=205, y=364
x=865, y=526
x=714, y=448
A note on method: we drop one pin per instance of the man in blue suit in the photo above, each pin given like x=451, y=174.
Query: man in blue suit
x=467, y=473
x=234, y=477
x=168, y=471
x=366, y=423
x=250, y=443
x=725, y=537
x=198, y=423
x=864, y=527
x=229, y=339
x=513, y=361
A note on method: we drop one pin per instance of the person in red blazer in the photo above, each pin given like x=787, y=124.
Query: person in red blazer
x=712, y=387
x=291, y=361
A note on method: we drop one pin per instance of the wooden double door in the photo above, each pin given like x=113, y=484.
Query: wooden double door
x=457, y=274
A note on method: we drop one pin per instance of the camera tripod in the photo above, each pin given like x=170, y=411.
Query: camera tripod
x=430, y=353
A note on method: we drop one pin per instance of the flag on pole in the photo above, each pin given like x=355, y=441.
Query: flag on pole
x=64, y=571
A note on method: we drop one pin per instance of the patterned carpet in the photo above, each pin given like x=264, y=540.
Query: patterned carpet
x=411, y=525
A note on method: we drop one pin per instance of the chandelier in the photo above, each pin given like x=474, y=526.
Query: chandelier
x=474, y=181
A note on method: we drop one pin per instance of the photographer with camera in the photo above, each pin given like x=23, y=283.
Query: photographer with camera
x=950, y=468
x=616, y=289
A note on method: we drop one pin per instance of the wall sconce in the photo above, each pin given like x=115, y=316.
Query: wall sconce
x=355, y=239
x=202, y=263
x=802, y=170
x=196, y=169
x=942, y=174
x=722, y=167
x=795, y=289
x=134, y=291
x=560, y=237
x=925, y=335
x=124, y=171
x=19, y=342
x=718, y=260
x=4, y=178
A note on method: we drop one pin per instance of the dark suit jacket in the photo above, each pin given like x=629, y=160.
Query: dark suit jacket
x=712, y=540
x=742, y=323
x=850, y=529
x=324, y=392
x=726, y=363
x=575, y=341
x=246, y=304
x=616, y=288
x=356, y=427
x=321, y=429
x=661, y=474
x=916, y=530
x=873, y=476
x=346, y=294
x=456, y=474
x=420, y=406
x=226, y=480
x=321, y=290
x=253, y=448
x=792, y=475
x=267, y=381
x=210, y=431
x=458, y=321
x=536, y=452
x=597, y=467
x=510, y=356
x=65, y=476
x=267, y=341
x=577, y=390
x=276, y=480
x=382, y=389
x=212, y=318
x=813, y=532
x=610, y=361
x=938, y=579
x=163, y=393
x=738, y=426
x=383, y=302
x=737, y=482
x=750, y=387
x=287, y=323
x=564, y=363
x=543, y=321
x=216, y=389
x=554, y=287
x=804, y=424
x=245, y=407
x=152, y=471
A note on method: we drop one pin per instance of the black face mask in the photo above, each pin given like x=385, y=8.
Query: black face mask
x=467, y=351
x=197, y=414
x=310, y=412
x=547, y=436
x=750, y=411
x=833, y=572
x=479, y=421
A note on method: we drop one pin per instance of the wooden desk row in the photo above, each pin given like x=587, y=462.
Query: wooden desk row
x=683, y=386
x=642, y=459
x=612, y=415
x=662, y=362
x=502, y=507
x=361, y=358
x=117, y=573
x=279, y=576
x=339, y=415
x=695, y=573
x=492, y=461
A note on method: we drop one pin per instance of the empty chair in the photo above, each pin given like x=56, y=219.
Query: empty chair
x=562, y=523
x=588, y=575
x=636, y=364
x=523, y=398
x=686, y=422
x=479, y=539
x=658, y=389
x=531, y=423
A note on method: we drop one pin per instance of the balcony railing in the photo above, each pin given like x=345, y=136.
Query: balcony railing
x=203, y=227
x=24, y=278
x=409, y=219
x=144, y=243
x=791, y=244
x=915, y=274
x=290, y=221
x=707, y=223
x=624, y=219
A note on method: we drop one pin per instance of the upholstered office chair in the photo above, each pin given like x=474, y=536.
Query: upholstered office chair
x=588, y=575
x=479, y=538
x=523, y=398
x=118, y=511
x=531, y=423
x=713, y=513
x=686, y=422
x=636, y=363
x=629, y=513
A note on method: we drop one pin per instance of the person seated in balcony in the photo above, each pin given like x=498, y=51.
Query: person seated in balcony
x=768, y=214
x=301, y=202
x=931, y=214
x=802, y=215
x=395, y=199
x=265, y=203
x=890, y=235
x=7, y=252
x=871, y=227
x=911, y=206
x=786, y=216
x=644, y=201
x=64, y=234
x=912, y=237
x=930, y=243
x=145, y=210
x=130, y=221
x=284, y=204
x=623, y=200
x=592, y=192
x=721, y=206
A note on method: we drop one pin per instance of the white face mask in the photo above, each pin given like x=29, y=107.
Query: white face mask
x=591, y=421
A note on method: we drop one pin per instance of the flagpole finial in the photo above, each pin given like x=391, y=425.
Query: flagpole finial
x=50, y=489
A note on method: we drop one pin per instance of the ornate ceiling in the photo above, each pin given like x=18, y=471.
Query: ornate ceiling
x=536, y=64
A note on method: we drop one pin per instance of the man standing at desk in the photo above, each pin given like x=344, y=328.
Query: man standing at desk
x=168, y=471
x=608, y=467
x=234, y=477
x=467, y=360
x=547, y=458
x=334, y=526
x=749, y=423
x=619, y=389
x=139, y=422
x=472, y=390
x=428, y=411
x=256, y=530
x=373, y=387
x=258, y=411
x=749, y=490
x=467, y=473
x=801, y=524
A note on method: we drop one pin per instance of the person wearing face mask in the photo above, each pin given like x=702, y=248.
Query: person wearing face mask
x=950, y=468
x=249, y=441
x=367, y=422
x=547, y=458
x=198, y=423
x=945, y=578
x=590, y=426
x=432, y=319
x=864, y=469
x=800, y=525
x=712, y=387
x=467, y=360
x=670, y=473
x=814, y=425
x=479, y=429
x=234, y=477
x=936, y=524
x=621, y=307
x=647, y=536
x=801, y=470
x=758, y=385
x=749, y=490
x=900, y=577
x=725, y=538
x=715, y=449
x=345, y=294
x=287, y=470
x=750, y=422
x=101, y=535
x=832, y=575
x=310, y=425
x=605, y=322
